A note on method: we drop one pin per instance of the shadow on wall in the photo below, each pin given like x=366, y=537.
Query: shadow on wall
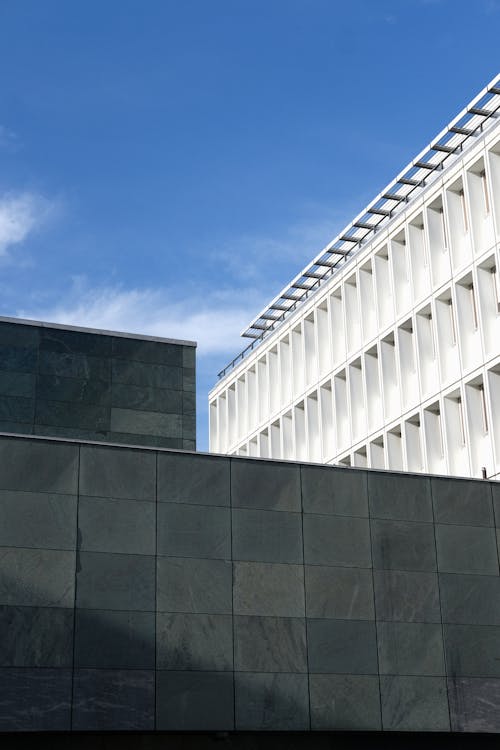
x=85, y=669
x=144, y=590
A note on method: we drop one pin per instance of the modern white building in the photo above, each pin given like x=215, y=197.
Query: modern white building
x=385, y=351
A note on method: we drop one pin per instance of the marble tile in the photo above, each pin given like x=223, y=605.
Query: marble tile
x=342, y=593
x=146, y=375
x=17, y=409
x=74, y=390
x=194, y=641
x=194, y=531
x=115, y=582
x=37, y=519
x=466, y=549
x=414, y=704
x=402, y=545
x=148, y=441
x=470, y=599
x=56, y=340
x=265, y=484
x=153, y=352
x=191, y=585
x=73, y=433
x=202, y=480
x=270, y=702
x=460, y=501
x=188, y=380
x=37, y=578
x=36, y=637
x=474, y=705
x=194, y=701
x=123, y=526
x=269, y=644
x=15, y=335
x=16, y=428
x=120, y=640
x=337, y=540
x=495, y=492
x=472, y=650
x=406, y=596
x=74, y=365
x=267, y=536
x=146, y=422
x=117, y=472
x=345, y=702
x=65, y=414
x=410, y=648
x=334, y=491
x=189, y=403
x=189, y=356
x=113, y=699
x=342, y=646
x=53, y=466
x=18, y=358
x=399, y=496
x=35, y=700
x=268, y=589
x=17, y=384
x=189, y=426
x=146, y=398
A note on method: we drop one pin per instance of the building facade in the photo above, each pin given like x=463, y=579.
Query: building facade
x=87, y=384
x=146, y=589
x=385, y=351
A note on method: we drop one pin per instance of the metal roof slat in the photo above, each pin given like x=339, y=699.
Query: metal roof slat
x=425, y=165
x=481, y=111
x=288, y=295
x=364, y=225
x=276, y=306
x=409, y=181
x=268, y=316
x=345, y=238
x=337, y=251
x=444, y=149
x=461, y=131
x=394, y=197
x=380, y=211
x=260, y=326
x=466, y=124
x=312, y=275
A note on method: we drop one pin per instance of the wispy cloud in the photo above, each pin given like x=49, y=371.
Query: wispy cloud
x=274, y=259
x=211, y=311
x=492, y=6
x=21, y=214
x=8, y=139
x=213, y=321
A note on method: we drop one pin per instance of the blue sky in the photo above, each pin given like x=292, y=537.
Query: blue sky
x=166, y=167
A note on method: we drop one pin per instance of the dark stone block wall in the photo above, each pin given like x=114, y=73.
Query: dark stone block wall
x=145, y=589
x=98, y=386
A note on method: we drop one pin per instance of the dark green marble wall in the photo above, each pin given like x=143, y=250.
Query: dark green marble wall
x=144, y=589
x=95, y=386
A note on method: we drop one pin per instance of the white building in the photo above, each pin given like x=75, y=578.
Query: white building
x=385, y=351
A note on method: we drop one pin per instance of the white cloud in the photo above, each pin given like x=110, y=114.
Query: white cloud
x=213, y=321
x=8, y=139
x=274, y=260
x=20, y=215
x=253, y=269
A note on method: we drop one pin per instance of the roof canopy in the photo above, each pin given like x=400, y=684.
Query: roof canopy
x=407, y=185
